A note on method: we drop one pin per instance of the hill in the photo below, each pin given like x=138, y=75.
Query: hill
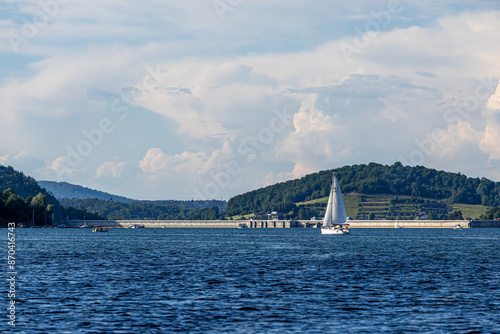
x=361, y=206
x=21, y=195
x=149, y=209
x=118, y=207
x=22, y=185
x=420, y=187
x=110, y=206
x=67, y=190
x=21, y=199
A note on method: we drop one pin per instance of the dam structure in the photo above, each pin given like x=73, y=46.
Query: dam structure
x=281, y=223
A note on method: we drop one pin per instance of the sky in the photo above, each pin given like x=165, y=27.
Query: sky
x=207, y=99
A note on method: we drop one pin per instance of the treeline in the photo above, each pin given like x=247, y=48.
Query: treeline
x=34, y=210
x=68, y=190
x=20, y=196
x=16, y=209
x=493, y=213
x=24, y=194
x=23, y=185
x=143, y=209
x=370, y=179
x=201, y=204
x=25, y=189
x=64, y=190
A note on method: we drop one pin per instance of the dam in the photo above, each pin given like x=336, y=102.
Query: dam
x=281, y=223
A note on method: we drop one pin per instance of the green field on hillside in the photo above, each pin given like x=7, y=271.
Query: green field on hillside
x=470, y=210
x=351, y=202
x=429, y=191
x=241, y=217
x=321, y=200
x=358, y=206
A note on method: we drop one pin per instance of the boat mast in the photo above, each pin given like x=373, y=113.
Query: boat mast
x=330, y=199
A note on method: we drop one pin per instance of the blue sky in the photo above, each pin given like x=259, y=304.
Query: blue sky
x=208, y=99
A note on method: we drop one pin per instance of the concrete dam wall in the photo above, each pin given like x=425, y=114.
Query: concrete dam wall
x=283, y=223
x=157, y=223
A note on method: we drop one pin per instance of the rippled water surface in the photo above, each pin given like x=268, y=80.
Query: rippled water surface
x=254, y=281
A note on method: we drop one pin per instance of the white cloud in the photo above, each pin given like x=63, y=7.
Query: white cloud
x=57, y=169
x=218, y=90
x=451, y=143
x=112, y=169
x=315, y=142
x=4, y=159
x=187, y=163
x=490, y=142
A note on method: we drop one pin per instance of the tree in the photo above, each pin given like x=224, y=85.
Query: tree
x=13, y=207
x=39, y=202
x=455, y=215
x=372, y=178
x=493, y=213
x=39, y=205
x=433, y=215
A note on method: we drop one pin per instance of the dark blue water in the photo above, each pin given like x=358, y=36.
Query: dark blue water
x=257, y=281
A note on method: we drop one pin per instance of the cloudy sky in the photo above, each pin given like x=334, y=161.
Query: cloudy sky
x=207, y=99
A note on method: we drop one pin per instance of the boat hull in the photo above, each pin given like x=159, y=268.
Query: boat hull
x=333, y=231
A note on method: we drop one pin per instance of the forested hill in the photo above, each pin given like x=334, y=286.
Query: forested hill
x=118, y=207
x=149, y=209
x=21, y=198
x=23, y=185
x=67, y=190
x=370, y=179
x=75, y=196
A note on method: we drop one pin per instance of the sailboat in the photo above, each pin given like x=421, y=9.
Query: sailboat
x=396, y=224
x=335, y=221
x=33, y=224
x=84, y=223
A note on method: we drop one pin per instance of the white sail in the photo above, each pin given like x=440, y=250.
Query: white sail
x=335, y=211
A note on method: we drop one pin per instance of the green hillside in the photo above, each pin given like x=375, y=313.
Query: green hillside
x=68, y=190
x=113, y=206
x=470, y=210
x=351, y=202
x=149, y=209
x=22, y=185
x=21, y=197
x=387, y=191
x=361, y=206
x=492, y=213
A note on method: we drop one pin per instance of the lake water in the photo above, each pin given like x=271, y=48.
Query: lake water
x=257, y=281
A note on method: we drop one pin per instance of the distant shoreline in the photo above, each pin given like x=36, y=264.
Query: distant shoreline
x=282, y=223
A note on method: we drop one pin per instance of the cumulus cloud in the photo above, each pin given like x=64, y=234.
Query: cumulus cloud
x=112, y=169
x=490, y=142
x=155, y=162
x=22, y=161
x=217, y=91
x=57, y=169
x=4, y=159
x=315, y=142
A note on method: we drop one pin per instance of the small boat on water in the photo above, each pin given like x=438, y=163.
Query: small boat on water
x=458, y=227
x=99, y=229
x=136, y=226
x=85, y=225
x=242, y=225
x=396, y=225
x=335, y=221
